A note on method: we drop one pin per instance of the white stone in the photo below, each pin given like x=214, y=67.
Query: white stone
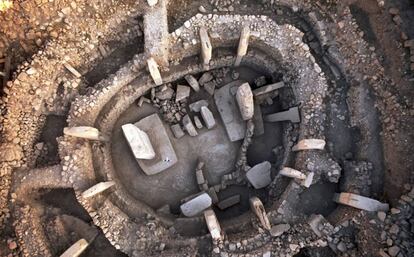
x=196, y=205
x=309, y=144
x=307, y=182
x=360, y=202
x=196, y=106
x=259, y=175
x=84, y=132
x=257, y=207
x=208, y=117
x=154, y=71
x=97, y=189
x=268, y=88
x=139, y=142
x=245, y=101
x=213, y=224
x=278, y=230
x=206, y=48
x=192, y=82
x=292, y=173
x=76, y=249
x=291, y=115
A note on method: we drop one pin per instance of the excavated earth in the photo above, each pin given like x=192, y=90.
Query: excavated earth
x=345, y=71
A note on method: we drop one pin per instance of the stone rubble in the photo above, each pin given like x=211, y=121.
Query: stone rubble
x=196, y=205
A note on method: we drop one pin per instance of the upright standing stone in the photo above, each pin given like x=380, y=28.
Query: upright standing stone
x=213, y=224
x=243, y=45
x=155, y=73
x=258, y=120
x=257, y=207
x=360, y=202
x=97, y=189
x=85, y=132
x=76, y=249
x=192, y=82
x=291, y=115
x=208, y=117
x=228, y=202
x=196, y=205
x=206, y=48
x=139, y=142
x=259, y=175
x=292, y=173
x=245, y=101
x=189, y=126
x=267, y=89
x=309, y=144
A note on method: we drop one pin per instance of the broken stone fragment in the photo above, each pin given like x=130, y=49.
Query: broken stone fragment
x=139, y=142
x=278, y=230
x=182, y=93
x=192, y=82
x=259, y=175
x=267, y=89
x=213, y=225
x=196, y=205
x=243, y=45
x=206, y=48
x=85, y=132
x=245, y=101
x=292, y=173
x=72, y=70
x=320, y=225
x=97, y=189
x=291, y=115
x=309, y=144
x=360, y=202
x=177, y=131
x=154, y=71
x=208, y=117
x=307, y=182
x=196, y=106
x=206, y=77
x=198, y=123
x=76, y=249
x=257, y=207
x=228, y=202
x=189, y=126
x=166, y=93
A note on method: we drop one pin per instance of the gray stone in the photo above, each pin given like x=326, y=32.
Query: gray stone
x=213, y=194
x=228, y=202
x=360, y=202
x=381, y=216
x=229, y=113
x=259, y=175
x=309, y=144
x=189, y=126
x=166, y=93
x=76, y=249
x=177, y=130
x=267, y=89
x=210, y=87
x=182, y=93
x=196, y=205
x=245, y=101
x=206, y=77
x=278, y=230
x=307, y=182
x=154, y=71
x=317, y=223
x=290, y=115
x=341, y=247
x=139, y=142
x=292, y=173
x=258, y=120
x=197, y=122
x=200, y=177
x=85, y=132
x=206, y=48
x=393, y=251
x=165, y=154
x=260, y=81
x=192, y=82
x=208, y=117
x=257, y=207
x=243, y=44
x=196, y=106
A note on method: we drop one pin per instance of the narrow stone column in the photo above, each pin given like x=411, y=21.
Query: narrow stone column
x=156, y=31
x=154, y=71
x=97, y=189
x=244, y=97
x=206, y=48
x=257, y=207
x=243, y=45
x=213, y=224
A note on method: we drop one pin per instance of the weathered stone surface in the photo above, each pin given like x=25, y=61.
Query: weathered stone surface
x=360, y=202
x=257, y=207
x=228, y=202
x=208, y=117
x=198, y=123
x=154, y=71
x=309, y=144
x=165, y=154
x=85, y=132
x=206, y=77
x=177, y=130
x=278, y=230
x=210, y=87
x=139, y=142
x=166, y=93
x=196, y=106
x=206, y=48
x=243, y=44
x=182, y=93
x=291, y=115
x=97, y=189
x=245, y=101
x=268, y=88
x=213, y=194
x=292, y=173
x=192, y=82
x=196, y=205
x=258, y=120
x=259, y=175
x=189, y=126
x=213, y=224
x=76, y=249
x=229, y=113
x=307, y=182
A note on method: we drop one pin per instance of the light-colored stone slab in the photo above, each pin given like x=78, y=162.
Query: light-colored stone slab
x=360, y=202
x=268, y=88
x=76, y=249
x=257, y=207
x=196, y=205
x=165, y=153
x=192, y=82
x=85, y=132
x=243, y=45
x=245, y=101
x=206, y=47
x=309, y=144
x=292, y=173
x=139, y=142
x=196, y=106
x=259, y=175
x=228, y=202
x=72, y=70
x=200, y=177
x=317, y=221
x=212, y=224
x=182, y=93
x=278, y=230
x=291, y=115
x=197, y=122
x=177, y=131
x=154, y=71
x=208, y=117
x=97, y=189
x=206, y=77
x=189, y=126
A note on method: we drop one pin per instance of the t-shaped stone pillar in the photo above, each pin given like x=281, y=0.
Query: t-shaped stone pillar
x=206, y=48
x=243, y=45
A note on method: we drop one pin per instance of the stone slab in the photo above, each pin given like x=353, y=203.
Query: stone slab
x=228, y=202
x=177, y=131
x=196, y=106
x=182, y=93
x=292, y=173
x=257, y=207
x=85, y=132
x=360, y=202
x=165, y=153
x=244, y=97
x=196, y=205
x=198, y=123
x=258, y=120
x=189, y=126
x=192, y=82
x=278, y=230
x=212, y=224
x=139, y=142
x=206, y=77
x=97, y=189
x=208, y=117
x=76, y=249
x=291, y=115
x=268, y=88
x=309, y=144
x=154, y=71
x=259, y=175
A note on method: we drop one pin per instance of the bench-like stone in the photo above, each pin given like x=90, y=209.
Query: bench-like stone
x=360, y=202
x=192, y=82
x=212, y=224
x=309, y=144
x=85, y=132
x=189, y=126
x=139, y=142
x=76, y=249
x=182, y=93
x=228, y=202
x=268, y=88
x=196, y=205
x=97, y=189
x=291, y=115
x=259, y=175
x=196, y=106
x=245, y=101
x=208, y=117
x=257, y=207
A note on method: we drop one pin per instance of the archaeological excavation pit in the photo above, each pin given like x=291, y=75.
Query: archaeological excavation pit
x=207, y=128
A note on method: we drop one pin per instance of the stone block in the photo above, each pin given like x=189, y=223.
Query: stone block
x=196, y=205
x=267, y=89
x=245, y=101
x=307, y=182
x=76, y=249
x=165, y=153
x=189, y=126
x=228, y=202
x=139, y=142
x=206, y=47
x=196, y=106
x=182, y=93
x=292, y=173
x=259, y=175
x=291, y=115
x=198, y=123
x=243, y=45
x=319, y=225
x=257, y=207
x=208, y=117
x=85, y=132
x=165, y=93
x=212, y=224
x=177, y=130
x=152, y=2
x=200, y=177
x=210, y=87
x=192, y=82
x=309, y=144
x=360, y=202
x=154, y=71
x=97, y=189
x=213, y=194
x=278, y=230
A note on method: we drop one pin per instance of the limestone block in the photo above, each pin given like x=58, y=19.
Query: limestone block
x=192, y=82
x=267, y=89
x=196, y=205
x=198, y=123
x=243, y=45
x=213, y=224
x=291, y=115
x=292, y=173
x=154, y=71
x=97, y=189
x=85, y=132
x=177, y=131
x=360, y=202
x=257, y=207
x=206, y=47
x=206, y=77
x=259, y=175
x=208, y=117
x=139, y=142
x=196, y=106
x=309, y=144
x=245, y=101
x=189, y=126
x=76, y=249
x=152, y=2
x=182, y=93
x=278, y=230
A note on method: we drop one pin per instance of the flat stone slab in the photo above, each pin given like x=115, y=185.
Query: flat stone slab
x=320, y=225
x=85, y=132
x=182, y=93
x=309, y=144
x=291, y=115
x=177, y=131
x=196, y=205
x=258, y=120
x=278, y=230
x=76, y=249
x=259, y=175
x=196, y=106
x=208, y=117
x=229, y=111
x=139, y=142
x=189, y=126
x=268, y=88
x=245, y=101
x=165, y=155
x=360, y=202
x=192, y=82
x=228, y=202
x=97, y=189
